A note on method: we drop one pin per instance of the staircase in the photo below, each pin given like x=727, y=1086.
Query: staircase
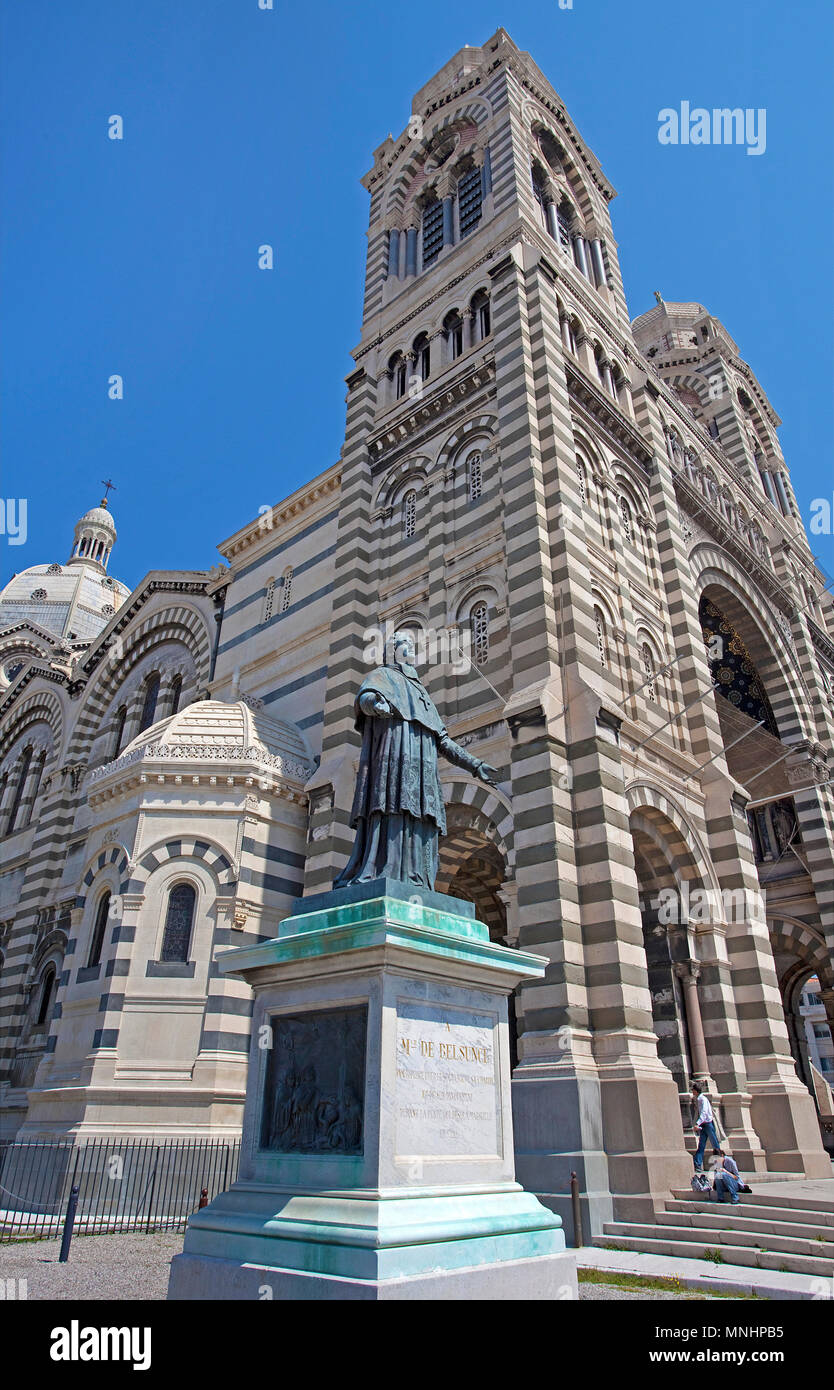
x=786, y=1223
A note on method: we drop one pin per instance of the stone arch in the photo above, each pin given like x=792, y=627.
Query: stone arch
x=41, y=707
x=480, y=427
x=799, y=953
x=185, y=847
x=412, y=472
x=182, y=624
x=685, y=852
x=487, y=809
x=771, y=651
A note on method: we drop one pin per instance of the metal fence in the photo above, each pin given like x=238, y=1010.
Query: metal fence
x=123, y=1184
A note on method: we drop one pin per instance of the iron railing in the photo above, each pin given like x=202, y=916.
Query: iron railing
x=124, y=1184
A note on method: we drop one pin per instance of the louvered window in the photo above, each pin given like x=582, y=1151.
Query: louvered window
x=648, y=672
x=479, y=627
x=409, y=515
x=602, y=642
x=470, y=198
x=475, y=477
x=432, y=232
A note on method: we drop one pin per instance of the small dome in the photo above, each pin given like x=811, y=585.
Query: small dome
x=221, y=730
x=98, y=516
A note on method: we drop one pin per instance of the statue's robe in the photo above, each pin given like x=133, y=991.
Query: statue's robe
x=398, y=811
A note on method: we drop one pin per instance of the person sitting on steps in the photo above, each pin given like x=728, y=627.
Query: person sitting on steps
x=704, y=1127
x=726, y=1179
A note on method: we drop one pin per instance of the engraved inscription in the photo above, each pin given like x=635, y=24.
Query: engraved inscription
x=314, y=1096
x=446, y=1093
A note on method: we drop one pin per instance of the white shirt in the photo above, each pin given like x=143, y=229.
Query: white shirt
x=704, y=1111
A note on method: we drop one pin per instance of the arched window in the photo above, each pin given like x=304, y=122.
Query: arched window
x=179, y=920
x=475, y=476
x=269, y=600
x=648, y=672
x=479, y=629
x=99, y=928
x=149, y=706
x=25, y=764
x=47, y=994
x=399, y=375
x=564, y=224
x=176, y=693
x=422, y=356
x=470, y=200
x=625, y=519
x=286, y=591
x=582, y=482
x=432, y=231
x=409, y=514
x=602, y=638
x=481, y=321
x=540, y=189
x=453, y=329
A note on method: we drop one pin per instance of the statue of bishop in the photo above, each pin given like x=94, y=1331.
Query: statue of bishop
x=398, y=811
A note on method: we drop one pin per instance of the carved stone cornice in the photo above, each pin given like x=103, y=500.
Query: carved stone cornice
x=406, y=428
x=608, y=415
x=691, y=498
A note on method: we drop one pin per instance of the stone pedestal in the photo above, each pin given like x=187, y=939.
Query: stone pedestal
x=377, y=1154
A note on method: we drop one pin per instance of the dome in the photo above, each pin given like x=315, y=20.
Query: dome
x=224, y=731
x=72, y=601
x=99, y=516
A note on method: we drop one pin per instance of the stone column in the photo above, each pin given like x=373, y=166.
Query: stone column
x=767, y=479
x=550, y=215
x=9, y=791
x=580, y=256
x=393, y=253
x=782, y=490
x=688, y=972
x=30, y=790
x=411, y=251
x=597, y=261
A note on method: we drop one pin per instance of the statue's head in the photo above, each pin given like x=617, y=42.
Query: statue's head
x=400, y=649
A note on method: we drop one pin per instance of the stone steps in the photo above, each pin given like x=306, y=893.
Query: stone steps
x=802, y=1225
x=731, y=1254
x=715, y=1235
x=749, y=1209
x=791, y=1231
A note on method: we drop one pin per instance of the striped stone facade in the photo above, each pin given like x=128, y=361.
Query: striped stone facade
x=545, y=493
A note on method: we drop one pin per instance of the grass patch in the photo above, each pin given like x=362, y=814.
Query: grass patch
x=668, y=1284
x=714, y=1256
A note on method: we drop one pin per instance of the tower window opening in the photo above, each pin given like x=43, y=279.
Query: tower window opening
x=432, y=232
x=149, y=706
x=409, y=514
x=269, y=600
x=286, y=589
x=470, y=199
x=648, y=673
x=453, y=328
x=479, y=628
x=481, y=319
x=97, y=941
x=179, y=920
x=422, y=356
x=475, y=476
x=602, y=638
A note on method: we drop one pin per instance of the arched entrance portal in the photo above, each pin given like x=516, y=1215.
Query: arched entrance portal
x=806, y=983
x=471, y=866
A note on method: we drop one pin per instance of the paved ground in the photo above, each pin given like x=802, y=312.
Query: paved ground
x=702, y=1274
x=101, y=1267
x=128, y=1267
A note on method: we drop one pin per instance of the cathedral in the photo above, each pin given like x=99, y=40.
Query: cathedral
x=588, y=526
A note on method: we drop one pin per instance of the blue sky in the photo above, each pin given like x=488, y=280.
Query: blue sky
x=244, y=126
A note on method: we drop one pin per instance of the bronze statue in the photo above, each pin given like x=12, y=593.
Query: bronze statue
x=398, y=809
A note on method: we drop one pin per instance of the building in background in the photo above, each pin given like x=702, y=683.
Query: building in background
x=590, y=527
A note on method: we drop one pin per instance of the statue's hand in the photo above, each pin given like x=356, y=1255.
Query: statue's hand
x=382, y=709
x=374, y=705
x=489, y=774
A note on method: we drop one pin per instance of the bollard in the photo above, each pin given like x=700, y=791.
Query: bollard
x=69, y=1222
x=577, y=1211
x=203, y=1202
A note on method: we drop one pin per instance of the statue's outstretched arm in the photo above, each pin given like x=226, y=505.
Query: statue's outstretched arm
x=461, y=758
